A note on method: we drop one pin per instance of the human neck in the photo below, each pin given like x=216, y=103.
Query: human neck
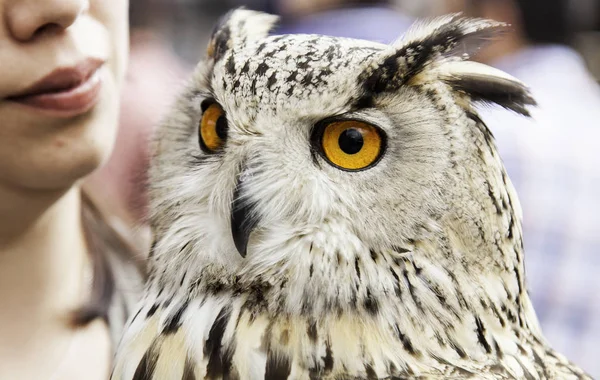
x=42, y=258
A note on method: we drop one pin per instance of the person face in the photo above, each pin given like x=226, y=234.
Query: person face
x=61, y=66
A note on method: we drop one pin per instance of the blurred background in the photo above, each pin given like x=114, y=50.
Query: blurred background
x=552, y=159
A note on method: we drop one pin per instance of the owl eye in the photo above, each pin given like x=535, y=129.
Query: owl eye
x=351, y=144
x=213, y=127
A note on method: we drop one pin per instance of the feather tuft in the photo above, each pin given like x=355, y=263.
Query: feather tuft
x=486, y=84
x=238, y=27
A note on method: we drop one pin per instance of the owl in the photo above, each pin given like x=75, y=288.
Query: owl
x=330, y=208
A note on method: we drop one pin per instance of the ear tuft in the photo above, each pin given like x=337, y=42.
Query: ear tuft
x=426, y=44
x=450, y=35
x=485, y=84
x=238, y=27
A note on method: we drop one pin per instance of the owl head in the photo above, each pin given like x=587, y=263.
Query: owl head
x=313, y=163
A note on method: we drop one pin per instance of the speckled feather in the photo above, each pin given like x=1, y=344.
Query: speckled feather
x=411, y=269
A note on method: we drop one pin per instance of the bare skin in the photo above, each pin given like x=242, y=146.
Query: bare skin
x=44, y=275
x=45, y=267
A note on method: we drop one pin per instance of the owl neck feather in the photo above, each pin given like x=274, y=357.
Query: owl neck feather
x=421, y=305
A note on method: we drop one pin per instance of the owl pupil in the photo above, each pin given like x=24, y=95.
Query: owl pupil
x=351, y=141
x=221, y=127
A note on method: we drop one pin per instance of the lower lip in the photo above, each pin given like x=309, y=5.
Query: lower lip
x=69, y=103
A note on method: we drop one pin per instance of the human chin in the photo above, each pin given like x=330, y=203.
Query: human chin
x=87, y=145
x=62, y=151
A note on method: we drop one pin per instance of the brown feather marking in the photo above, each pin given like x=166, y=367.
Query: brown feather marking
x=147, y=366
x=136, y=348
x=170, y=363
x=188, y=369
x=218, y=360
x=278, y=367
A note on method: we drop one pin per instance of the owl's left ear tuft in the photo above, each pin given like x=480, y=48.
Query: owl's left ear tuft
x=238, y=27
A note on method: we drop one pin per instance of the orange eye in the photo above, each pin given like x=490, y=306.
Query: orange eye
x=213, y=128
x=352, y=144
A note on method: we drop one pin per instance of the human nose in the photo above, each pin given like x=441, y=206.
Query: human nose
x=27, y=19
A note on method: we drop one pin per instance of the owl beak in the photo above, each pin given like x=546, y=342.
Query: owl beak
x=243, y=220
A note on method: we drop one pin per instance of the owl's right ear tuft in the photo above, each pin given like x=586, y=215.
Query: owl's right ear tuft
x=238, y=27
x=426, y=45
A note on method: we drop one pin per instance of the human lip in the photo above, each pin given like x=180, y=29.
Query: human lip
x=66, y=91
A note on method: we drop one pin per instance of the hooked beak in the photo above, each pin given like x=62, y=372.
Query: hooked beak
x=243, y=219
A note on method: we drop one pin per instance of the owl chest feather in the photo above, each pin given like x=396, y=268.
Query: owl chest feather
x=228, y=337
